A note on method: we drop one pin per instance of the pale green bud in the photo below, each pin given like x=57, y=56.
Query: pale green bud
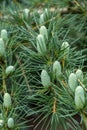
x=72, y=81
x=25, y=14
x=10, y=70
x=1, y=123
x=79, y=74
x=10, y=123
x=46, y=14
x=79, y=97
x=7, y=100
x=4, y=35
x=45, y=78
x=43, y=31
x=2, y=49
x=65, y=47
x=57, y=69
x=41, y=21
x=41, y=46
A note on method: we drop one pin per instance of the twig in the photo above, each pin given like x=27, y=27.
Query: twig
x=4, y=79
x=54, y=105
x=82, y=84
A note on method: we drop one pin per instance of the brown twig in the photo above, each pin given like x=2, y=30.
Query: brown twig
x=54, y=105
x=4, y=78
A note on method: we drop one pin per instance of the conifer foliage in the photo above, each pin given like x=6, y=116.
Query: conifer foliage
x=43, y=59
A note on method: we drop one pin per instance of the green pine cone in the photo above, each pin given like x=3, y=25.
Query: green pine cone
x=72, y=81
x=7, y=100
x=79, y=97
x=4, y=35
x=65, y=47
x=1, y=123
x=45, y=78
x=43, y=31
x=79, y=74
x=56, y=69
x=41, y=46
x=41, y=20
x=10, y=70
x=25, y=14
x=10, y=123
x=2, y=49
x=46, y=14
